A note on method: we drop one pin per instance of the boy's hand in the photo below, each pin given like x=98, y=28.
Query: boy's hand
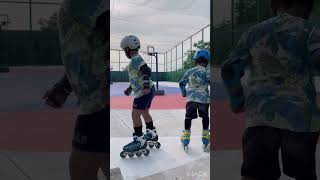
x=238, y=110
x=238, y=107
x=127, y=92
x=55, y=97
x=146, y=91
x=184, y=94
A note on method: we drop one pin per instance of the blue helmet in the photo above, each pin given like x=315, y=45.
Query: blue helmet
x=202, y=53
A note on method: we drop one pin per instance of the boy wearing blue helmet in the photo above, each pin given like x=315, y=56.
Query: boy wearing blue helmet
x=195, y=86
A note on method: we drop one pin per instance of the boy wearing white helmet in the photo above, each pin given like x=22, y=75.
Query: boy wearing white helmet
x=84, y=36
x=197, y=93
x=143, y=89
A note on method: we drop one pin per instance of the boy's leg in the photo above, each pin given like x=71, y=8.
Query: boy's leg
x=148, y=119
x=260, y=146
x=136, y=120
x=85, y=165
x=299, y=154
x=147, y=105
x=191, y=113
x=204, y=114
x=90, y=145
x=141, y=108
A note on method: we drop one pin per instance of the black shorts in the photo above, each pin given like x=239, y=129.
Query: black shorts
x=144, y=102
x=91, y=132
x=193, y=108
x=261, y=145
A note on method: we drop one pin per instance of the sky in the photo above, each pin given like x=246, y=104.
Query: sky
x=161, y=23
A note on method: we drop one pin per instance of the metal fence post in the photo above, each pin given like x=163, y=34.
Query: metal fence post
x=30, y=15
x=232, y=22
x=171, y=59
x=182, y=56
x=165, y=62
x=176, y=62
x=119, y=60
x=202, y=31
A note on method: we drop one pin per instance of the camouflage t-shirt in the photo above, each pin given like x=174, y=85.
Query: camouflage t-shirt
x=197, y=81
x=135, y=75
x=280, y=88
x=84, y=52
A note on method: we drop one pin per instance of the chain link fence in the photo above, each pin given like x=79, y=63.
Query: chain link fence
x=29, y=32
x=119, y=64
x=230, y=24
x=176, y=57
x=28, y=14
x=170, y=63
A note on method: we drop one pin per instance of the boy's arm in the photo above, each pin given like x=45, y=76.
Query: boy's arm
x=58, y=94
x=139, y=64
x=232, y=72
x=314, y=48
x=146, y=72
x=182, y=84
x=64, y=84
x=208, y=76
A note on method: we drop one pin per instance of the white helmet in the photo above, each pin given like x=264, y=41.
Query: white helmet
x=131, y=42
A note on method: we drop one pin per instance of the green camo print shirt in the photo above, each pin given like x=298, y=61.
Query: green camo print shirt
x=280, y=89
x=135, y=75
x=197, y=81
x=84, y=52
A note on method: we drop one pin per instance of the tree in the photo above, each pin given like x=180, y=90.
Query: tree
x=126, y=68
x=50, y=24
x=189, y=63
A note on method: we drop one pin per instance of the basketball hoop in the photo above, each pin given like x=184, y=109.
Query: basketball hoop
x=150, y=50
x=4, y=20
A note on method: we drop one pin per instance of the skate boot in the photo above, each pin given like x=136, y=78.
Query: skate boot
x=151, y=137
x=137, y=147
x=185, y=139
x=206, y=140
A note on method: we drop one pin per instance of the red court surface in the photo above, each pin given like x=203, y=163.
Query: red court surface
x=37, y=131
x=226, y=127
x=51, y=131
x=169, y=101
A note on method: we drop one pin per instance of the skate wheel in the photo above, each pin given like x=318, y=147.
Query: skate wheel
x=138, y=154
x=158, y=145
x=123, y=154
x=131, y=155
x=146, y=152
x=151, y=145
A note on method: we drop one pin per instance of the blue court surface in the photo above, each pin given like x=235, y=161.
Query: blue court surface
x=117, y=88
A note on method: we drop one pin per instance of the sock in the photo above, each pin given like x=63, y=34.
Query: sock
x=205, y=123
x=138, y=131
x=150, y=125
x=187, y=124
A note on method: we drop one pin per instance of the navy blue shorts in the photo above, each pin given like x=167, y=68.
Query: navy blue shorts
x=91, y=132
x=261, y=145
x=144, y=102
x=195, y=108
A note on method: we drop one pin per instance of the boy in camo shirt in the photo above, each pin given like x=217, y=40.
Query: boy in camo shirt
x=143, y=88
x=84, y=40
x=280, y=106
x=197, y=93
